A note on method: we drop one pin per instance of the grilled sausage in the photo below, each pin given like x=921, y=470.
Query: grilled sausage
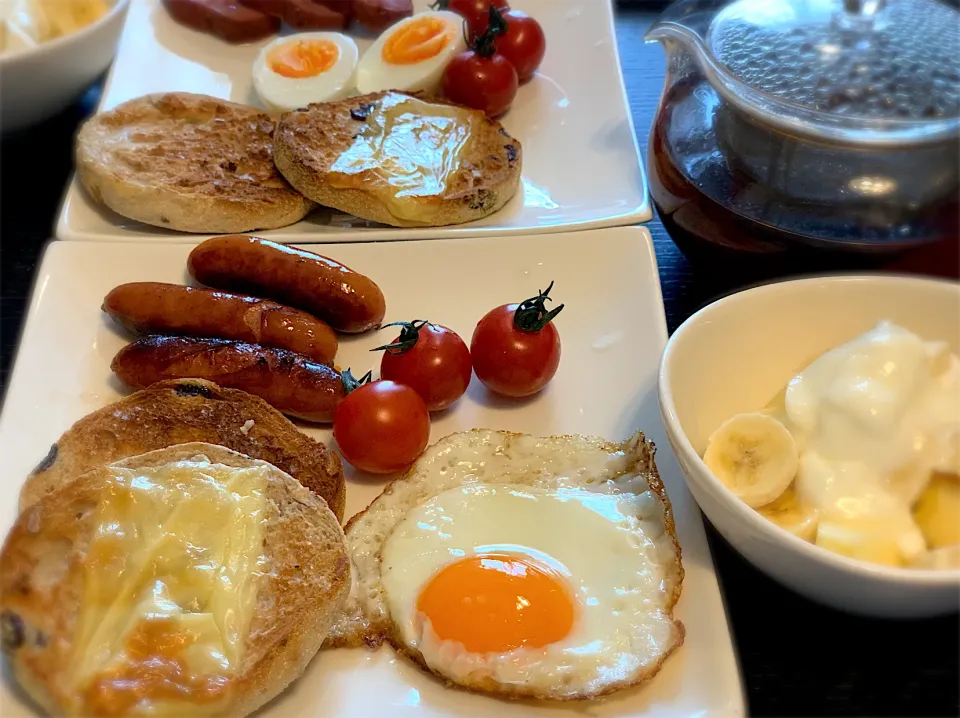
x=378, y=15
x=273, y=8
x=309, y=15
x=158, y=308
x=344, y=299
x=226, y=19
x=282, y=8
x=289, y=382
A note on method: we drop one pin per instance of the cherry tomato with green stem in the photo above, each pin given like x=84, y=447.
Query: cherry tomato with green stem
x=476, y=13
x=481, y=78
x=429, y=358
x=381, y=427
x=516, y=347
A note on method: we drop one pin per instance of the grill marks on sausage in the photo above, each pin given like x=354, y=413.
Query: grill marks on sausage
x=290, y=382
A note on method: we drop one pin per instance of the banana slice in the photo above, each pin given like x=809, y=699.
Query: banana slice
x=892, y=540
x=941, y=559
x=937, y=511
x=788, y=513
x=755, y=456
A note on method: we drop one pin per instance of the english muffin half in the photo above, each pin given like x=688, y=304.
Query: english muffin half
x=189, y=580
x=181, y=411
x=187, y=162
x=400, y=160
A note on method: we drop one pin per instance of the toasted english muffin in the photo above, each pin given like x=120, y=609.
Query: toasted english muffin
x=437, y=556
x=189, y=580
x=312, y=147
x=187, y=162
x=181, y=411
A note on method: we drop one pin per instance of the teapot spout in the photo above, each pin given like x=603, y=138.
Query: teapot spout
x=686, y=22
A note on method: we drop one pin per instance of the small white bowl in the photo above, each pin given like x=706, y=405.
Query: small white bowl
x=38, y=82
x=738, y=353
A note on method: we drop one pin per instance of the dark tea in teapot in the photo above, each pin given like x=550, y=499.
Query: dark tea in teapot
x=808, y=124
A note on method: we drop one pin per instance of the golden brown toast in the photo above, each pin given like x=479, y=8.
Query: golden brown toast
x=181, y=411
x=293, y=589
x=187, y=162
x=308, y=144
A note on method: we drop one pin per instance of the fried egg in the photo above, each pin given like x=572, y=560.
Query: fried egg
x=411, y=55
x=544, y=567
x=293, y=71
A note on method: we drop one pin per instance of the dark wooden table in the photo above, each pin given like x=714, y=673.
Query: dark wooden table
x=797, y=658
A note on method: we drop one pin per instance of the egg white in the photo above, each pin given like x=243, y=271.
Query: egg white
x=596, y=510
x=285, y=94
x=615, y=631
x=374, y=74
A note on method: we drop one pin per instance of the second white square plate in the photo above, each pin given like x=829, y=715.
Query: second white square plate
x=581, y=164
x=612, y=331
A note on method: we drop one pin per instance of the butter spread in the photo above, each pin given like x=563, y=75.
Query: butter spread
x=408, y=148
x=169, y=588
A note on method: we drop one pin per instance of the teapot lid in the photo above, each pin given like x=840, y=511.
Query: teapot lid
x=865, y=71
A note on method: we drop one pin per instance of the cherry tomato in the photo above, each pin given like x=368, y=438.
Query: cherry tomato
x=523, y=44
x=381, y=427
x=483, y=83
x=516, y=348
x=432, y=360
x=475, y=12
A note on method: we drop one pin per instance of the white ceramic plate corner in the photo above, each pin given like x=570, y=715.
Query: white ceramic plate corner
x=613, y=333
x=581, y=167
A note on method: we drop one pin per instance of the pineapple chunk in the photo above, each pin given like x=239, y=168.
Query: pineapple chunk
x=937, y=511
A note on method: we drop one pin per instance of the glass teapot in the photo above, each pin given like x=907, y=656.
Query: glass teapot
x=832, y=124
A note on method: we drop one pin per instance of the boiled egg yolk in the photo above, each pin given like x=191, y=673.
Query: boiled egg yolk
x=418, y=40
x=496, y=603
x=294, y=71
x=303, y=58
x=412, y=55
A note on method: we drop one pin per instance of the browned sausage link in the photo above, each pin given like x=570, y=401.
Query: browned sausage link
x=273, y=8
x=158, y=308
x=308, y=15
x=346, y=300
x=224, y=18
x=289, y=382
x=378, y=15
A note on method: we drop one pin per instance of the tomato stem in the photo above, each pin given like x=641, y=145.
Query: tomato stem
x=350, y=383
x=532, y=314
x=408, y=338
x=485, y=44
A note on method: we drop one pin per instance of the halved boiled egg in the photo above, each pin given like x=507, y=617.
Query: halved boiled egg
x=412, y=55
x=293, y=71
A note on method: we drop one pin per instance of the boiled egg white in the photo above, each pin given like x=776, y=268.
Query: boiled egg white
x=411, y=55
x=294, y=71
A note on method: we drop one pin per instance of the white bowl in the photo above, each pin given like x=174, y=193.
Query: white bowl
x=739, y=352
x=38, y=82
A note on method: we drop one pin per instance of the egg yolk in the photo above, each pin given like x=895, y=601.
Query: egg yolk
x=418, y=40
x=303, y=58
x=495, y=603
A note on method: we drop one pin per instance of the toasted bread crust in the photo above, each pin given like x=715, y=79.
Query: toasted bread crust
x=303, y=584
x=354, y=629
x=187, y=162
x=308, y=142
x=188, y=410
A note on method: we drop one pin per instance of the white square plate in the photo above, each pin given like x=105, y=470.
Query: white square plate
x=581, y=164
x=613, y=332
